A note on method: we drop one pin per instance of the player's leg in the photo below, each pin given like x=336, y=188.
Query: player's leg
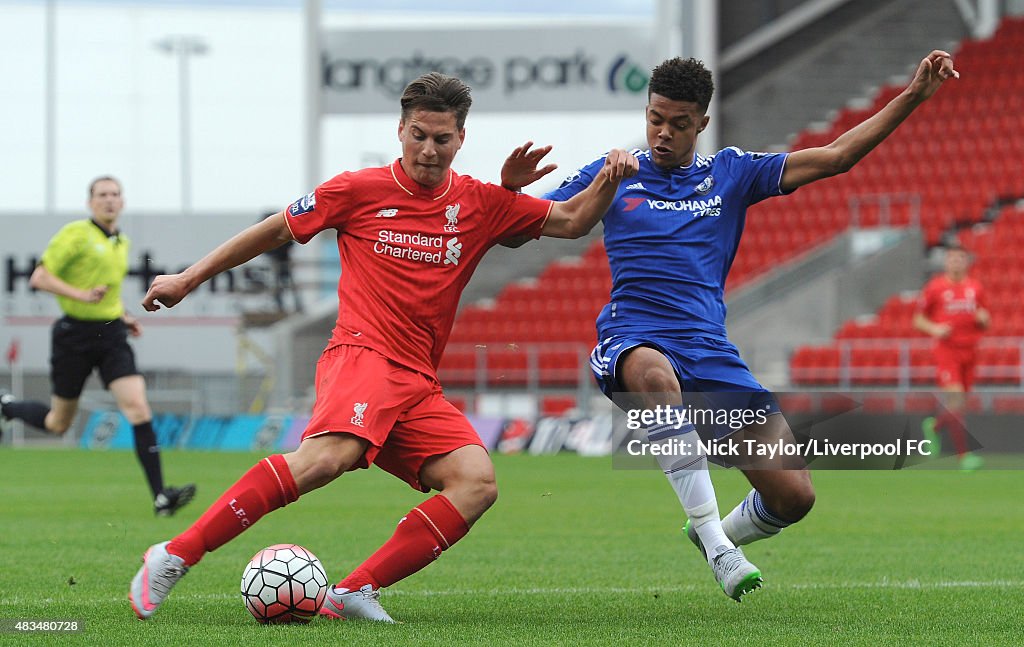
x=969, y=461
x=953, y=419
x=465, y=481
x=955, y=371
x=648, y=377
x=272, y=483
x=432, y=448
x=335, y=441
x=947, y=377
x=650, y=380
x=782, y=492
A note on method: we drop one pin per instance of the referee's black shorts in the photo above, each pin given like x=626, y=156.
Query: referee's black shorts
x=77, y=347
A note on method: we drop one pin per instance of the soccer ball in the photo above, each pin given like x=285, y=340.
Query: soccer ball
x=284, y=583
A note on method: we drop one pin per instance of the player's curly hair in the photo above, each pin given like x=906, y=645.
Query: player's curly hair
x=436, y=92
x=681, y=79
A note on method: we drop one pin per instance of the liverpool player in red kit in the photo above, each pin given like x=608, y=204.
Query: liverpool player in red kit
x=952, y=310
x=409, y=236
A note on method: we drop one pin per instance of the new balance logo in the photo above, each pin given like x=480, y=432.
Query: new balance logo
x=387, y=213
x=637, y=186
x=451, y=257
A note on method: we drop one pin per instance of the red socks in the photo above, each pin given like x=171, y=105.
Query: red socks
x=264, y=488
x=430, y=528
x=421, y=536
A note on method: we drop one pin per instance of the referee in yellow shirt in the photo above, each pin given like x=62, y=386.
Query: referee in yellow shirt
x=84, y=265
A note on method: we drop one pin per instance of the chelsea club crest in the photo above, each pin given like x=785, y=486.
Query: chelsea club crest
x=705, y=187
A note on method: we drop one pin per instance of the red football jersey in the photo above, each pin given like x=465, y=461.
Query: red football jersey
x=407, y=252
x=944, y=301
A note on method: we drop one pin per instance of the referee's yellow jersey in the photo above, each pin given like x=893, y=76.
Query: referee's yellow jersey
x=84, y=256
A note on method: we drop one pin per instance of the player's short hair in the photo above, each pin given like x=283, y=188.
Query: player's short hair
x=103, y=178
x=681, y=79
x=436, y=92
x=957, y=247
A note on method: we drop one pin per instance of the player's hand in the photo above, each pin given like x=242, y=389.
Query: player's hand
x=941, y=331
x=134, y=327
x=619, y=164
x=982, y=317
x=520, y=167
x=95, y=295
x=934, y=69
x=166, y=290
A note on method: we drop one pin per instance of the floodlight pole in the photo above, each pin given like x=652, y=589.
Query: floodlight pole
x=50, y=113
x=183, y=47
x=313, y=77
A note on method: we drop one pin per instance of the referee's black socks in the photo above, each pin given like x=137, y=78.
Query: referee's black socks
x=148, y=451
x=30, y=412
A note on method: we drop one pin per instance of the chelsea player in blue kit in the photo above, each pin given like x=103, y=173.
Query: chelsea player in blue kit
x=671, y=236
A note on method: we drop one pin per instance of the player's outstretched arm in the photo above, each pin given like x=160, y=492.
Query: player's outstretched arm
x=577, y=216
x=811, y=164
x=169, y=290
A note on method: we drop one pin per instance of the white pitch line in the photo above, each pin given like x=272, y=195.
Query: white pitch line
x=895, y=585
x=913, y=584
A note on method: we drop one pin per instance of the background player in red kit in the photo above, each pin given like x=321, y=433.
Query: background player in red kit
x=409, y=236
x=952, y=310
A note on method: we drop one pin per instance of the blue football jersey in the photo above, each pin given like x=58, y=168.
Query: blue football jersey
x=671, y=237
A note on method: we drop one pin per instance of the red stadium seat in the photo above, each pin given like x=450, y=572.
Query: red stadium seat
x=925, y=403
x=1008, y=404
x=507, y=368
x=796, y=403
x=879, y=403
x=561, y=367
x=551, y=405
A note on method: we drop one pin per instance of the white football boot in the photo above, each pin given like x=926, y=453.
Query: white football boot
x=734, y=573
x=363, y=604
x=159, y=573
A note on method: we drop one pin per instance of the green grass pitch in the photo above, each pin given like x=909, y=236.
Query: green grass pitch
x=574, y=553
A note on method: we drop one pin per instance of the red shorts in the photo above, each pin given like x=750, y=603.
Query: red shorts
x=401, y=412
x=954, y=365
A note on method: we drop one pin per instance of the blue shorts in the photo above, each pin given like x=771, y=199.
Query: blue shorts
x=710, y=373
